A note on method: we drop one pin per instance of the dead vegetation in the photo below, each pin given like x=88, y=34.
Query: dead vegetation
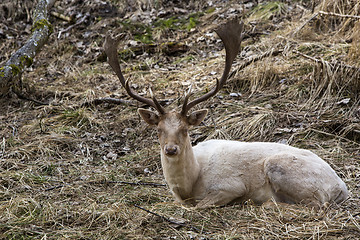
x=70, y=171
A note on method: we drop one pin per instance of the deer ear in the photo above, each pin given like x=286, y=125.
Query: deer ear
x=149, y=116
x=196, y=117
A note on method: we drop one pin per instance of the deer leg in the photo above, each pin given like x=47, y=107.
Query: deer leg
x=292, y=182
x=221, y=197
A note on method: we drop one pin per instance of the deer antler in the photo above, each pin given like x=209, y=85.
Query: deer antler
x=110, y=47
x=230, y=34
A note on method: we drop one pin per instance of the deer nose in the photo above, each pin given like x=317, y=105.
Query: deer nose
x=171, y=150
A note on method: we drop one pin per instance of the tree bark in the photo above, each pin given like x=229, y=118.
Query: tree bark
x=23, y=57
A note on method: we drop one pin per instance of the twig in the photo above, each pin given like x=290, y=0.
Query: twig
x=333, y=135
x=170, y=221
x=139, y=183
x=166, y=47
x=108, y=182
x=119, y=102
x=212, y=118
x=255, y=59
x=129, y=183
x=305, y=23
x=321, y=61
x=54, y=187
x=74, y=25
x=61, y=16
x=338, y=15
x=23, y=97
x=107, y=100
x=324, y=13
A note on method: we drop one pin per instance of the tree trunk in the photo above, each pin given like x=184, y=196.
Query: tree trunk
x=41, y=30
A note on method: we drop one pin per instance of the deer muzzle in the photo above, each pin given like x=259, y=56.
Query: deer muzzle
x=171, y=150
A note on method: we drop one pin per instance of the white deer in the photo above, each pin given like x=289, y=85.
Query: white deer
x=219, y=172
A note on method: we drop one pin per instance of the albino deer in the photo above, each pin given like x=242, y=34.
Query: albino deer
x=218, y=172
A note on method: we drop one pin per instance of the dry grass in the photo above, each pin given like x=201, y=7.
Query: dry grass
x=72, y=172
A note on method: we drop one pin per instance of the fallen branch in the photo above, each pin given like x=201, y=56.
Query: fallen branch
x=323, y=13
x=74, y=25
x=62, y=16
x=169, y=48
x=111, y=182
x=305, y=23
x=338, y=15
x=128, y=183
x=138, y=183
x=255, y=59
x=117, y=101
x=54, y=187
x=332, y=135
x=321, y=61
x=23, y=97
x=99, y=101
x=171, y=221
x=23, y=57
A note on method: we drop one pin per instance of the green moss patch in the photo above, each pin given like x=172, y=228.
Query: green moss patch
x=267, y=10
x=41, y=24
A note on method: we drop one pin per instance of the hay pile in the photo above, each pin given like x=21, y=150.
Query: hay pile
x=71, y=170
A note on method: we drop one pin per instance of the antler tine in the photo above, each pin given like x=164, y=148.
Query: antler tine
x=186, y=99
x=231, y=36
x=158, y=107
x=110, y=47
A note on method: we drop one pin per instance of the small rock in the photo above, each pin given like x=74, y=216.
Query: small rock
x=283, y=141
x=126, y=131
x=235, y=95
x=126, y=148
x=162, y=13
x=282, y=81
x=210, y=34
x=344, y=101
x=180, y=10
x=200, y=39
x=112, y=156
x=133, y=43
x=268, y=106
x=83, y=178
x=147, y=171
x=248, y=5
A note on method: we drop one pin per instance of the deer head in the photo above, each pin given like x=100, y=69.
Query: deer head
x=173, y=126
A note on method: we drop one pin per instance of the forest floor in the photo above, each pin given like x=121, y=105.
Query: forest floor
x=73, y=166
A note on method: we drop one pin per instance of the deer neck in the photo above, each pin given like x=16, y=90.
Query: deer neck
x=181, y=172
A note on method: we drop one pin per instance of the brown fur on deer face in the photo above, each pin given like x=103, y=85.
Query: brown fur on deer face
x=173, y=128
